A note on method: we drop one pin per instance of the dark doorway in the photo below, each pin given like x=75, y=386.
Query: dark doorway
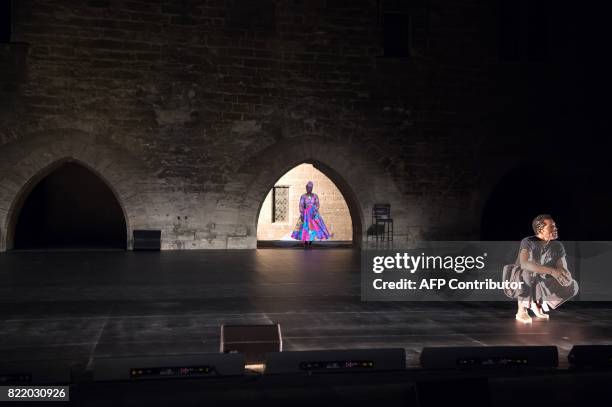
x=70, y=208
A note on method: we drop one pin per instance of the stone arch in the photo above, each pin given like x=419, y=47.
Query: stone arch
x=360, y=179
x=345, y=189
x=25, y=193
x=25, y=163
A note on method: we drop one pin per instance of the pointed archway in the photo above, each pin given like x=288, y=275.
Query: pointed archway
x=279, y=211
x=67, y=205
x=25, y=163
x=360, y=179
x=339, y=206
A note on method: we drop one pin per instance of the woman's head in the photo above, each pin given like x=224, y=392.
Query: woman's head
x=309, y=186
x=544, y=227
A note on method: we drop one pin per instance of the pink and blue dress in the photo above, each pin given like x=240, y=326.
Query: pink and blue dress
x=310, y=226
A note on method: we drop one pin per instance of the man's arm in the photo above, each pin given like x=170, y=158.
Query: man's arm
x=533, y=266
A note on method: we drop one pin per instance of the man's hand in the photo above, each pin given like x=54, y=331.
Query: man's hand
x=562, y=276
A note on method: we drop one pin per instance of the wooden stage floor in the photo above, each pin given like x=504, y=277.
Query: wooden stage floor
x=81, y=305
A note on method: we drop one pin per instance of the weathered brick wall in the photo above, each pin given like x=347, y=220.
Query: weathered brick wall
x=198, y=95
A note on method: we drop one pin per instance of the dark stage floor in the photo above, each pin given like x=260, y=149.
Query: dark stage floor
x=82, y=305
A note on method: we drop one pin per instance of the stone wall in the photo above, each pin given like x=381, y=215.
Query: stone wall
x=178, y=106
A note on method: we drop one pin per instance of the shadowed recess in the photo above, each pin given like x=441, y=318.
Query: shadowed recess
x=70, y=208
x=525, y=193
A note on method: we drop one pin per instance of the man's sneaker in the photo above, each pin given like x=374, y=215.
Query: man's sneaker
x=523, y=316
x=538, y=312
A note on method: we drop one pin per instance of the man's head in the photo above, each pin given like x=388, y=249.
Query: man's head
x=544, y=227
x=309, y=187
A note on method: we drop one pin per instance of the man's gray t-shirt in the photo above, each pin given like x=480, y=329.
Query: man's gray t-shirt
x=547, y=255
x=543, y=288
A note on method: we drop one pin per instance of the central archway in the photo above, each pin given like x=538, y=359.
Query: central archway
x=360, y=179
x=279, y=212
x=339, y=207
x=67, y=205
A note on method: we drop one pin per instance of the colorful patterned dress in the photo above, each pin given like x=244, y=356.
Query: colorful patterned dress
x=310, y=226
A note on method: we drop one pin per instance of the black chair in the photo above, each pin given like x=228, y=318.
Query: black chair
x=382, y=223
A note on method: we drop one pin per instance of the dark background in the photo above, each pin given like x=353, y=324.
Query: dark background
x=545, y=105
x=564, y=102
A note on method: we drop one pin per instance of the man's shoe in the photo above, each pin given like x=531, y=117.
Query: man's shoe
x=523, y=317
x=538, y=312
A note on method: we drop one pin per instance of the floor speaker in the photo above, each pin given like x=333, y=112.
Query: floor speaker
x=590, y=357
x=254, y=341
x=147, y=240
x=331, y=361
x=168, y=366
x=35, y=372
x=483, y=357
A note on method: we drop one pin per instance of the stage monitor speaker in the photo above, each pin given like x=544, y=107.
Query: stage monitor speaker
x=254, y=341
x=35, y=372
x=590, y=357
x=147, y=240
x=485, y=357
x=340, y=360
x=168, y=366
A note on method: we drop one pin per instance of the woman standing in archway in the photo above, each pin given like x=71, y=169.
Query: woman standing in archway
x=310, y=226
